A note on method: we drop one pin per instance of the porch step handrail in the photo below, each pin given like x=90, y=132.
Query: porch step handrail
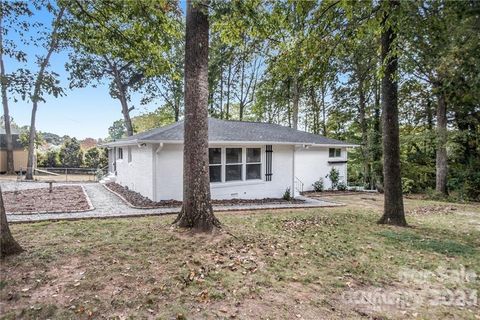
x=299, y=184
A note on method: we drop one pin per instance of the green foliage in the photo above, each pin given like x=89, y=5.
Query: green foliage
x=96, y=158
x=407, y=185
x=117, y=130
x=341, y=186
x=25, y=135
x=318, y=185
x=334, y=177
x=71, y=155
x=51, y=159
x=287, y=195
x=150, y=120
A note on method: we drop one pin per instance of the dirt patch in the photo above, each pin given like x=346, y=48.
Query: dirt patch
x=40, y=200
x=136, y=200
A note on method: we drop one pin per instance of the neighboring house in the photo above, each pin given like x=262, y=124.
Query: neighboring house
x=20, y=155
x=248, y=160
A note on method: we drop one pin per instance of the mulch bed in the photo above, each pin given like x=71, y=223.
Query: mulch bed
x=135, y=199
x=40, y=200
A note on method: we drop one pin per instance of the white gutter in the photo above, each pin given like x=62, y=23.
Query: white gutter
x=121, y=143
x=257, y=142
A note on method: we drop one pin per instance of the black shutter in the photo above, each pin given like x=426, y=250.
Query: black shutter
x=268, y=163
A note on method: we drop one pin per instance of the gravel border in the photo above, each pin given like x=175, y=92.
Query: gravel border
x=107, y=206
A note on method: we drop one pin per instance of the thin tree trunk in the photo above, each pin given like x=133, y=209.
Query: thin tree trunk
x=36, y=94
x=8, y=245
x=376, y=151
x=221, y=91
x=324, y=114
x=197, y=212
x=364, y=130
x=393, y=207
x=6, y=114
x=242, y=80
x=229, y=82
x=177, y=109
x=315, y=111
x=295, y=100
x=441, y=154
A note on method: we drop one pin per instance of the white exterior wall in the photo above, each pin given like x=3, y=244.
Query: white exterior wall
x=156, y=171
x=169, y=168
x=312, y=164
x=136, y=175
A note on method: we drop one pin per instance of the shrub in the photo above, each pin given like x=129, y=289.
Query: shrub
x=318, y=185
x=408, y=185
x=334, y=177
x=287, y=195
x=341, y=186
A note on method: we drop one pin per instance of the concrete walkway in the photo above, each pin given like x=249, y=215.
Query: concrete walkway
x=108, y=205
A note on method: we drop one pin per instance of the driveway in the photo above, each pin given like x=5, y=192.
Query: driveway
x=108, y=205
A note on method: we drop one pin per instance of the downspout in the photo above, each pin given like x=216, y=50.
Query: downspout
x=154, y=170
x=346, y=167
x=293, y=172
x=115, y=160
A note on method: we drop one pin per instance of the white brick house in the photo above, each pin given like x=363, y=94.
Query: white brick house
x=248, y=160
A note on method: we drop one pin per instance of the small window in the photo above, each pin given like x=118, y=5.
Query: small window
x=215, y=164
x=120, y=153
x=129, y=154
x=233, y=166
x=335, y=152
x=254, y=164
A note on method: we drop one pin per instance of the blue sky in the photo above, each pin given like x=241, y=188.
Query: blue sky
x=82, y=113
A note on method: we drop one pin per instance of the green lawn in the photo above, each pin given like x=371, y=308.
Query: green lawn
x=305, y=264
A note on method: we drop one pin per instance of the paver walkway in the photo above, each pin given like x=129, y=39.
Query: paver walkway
x=108, y=205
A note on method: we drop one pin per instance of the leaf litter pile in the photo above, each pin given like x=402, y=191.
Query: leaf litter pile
x=262, y=265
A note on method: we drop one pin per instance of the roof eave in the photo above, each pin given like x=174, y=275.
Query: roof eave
x=256, y=142
x=120, y=143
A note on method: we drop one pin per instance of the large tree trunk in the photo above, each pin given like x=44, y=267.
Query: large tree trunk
x=8, y=245
x=122, y=97
x=197, y=210
x=6, y=114
x=393, y=208
x=37, y=93
x=126, y=114
x=441, y=157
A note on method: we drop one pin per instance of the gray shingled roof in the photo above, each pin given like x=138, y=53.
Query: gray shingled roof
x=238, y=131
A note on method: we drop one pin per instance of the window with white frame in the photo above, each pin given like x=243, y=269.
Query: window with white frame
x=254, y=164
x=215, y=164
x=120, y=153
x=235, y=164
x=335, y=153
